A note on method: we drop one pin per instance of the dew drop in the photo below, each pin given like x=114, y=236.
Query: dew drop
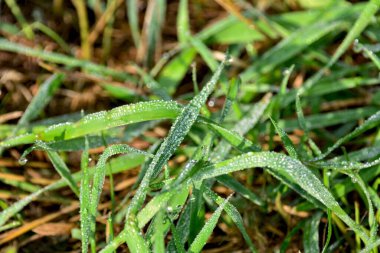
x=357, y=47
x=22, y=161
x=211, y=103
x=286, y=72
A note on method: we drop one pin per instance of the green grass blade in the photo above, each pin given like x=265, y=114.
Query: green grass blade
x=133, y=20
x=57, y=162
x=251, y=118
x=206, y=231
x=329, y=119
x=286, y=140
x=311, y=234
x=289, y=47
x=68, y=61
x=97, y=122
x=44, y=95
x=234, y=215
x=370, y=123
x=177, y=240
x=53, y=35
x=159, y=232
x=85, y=199
x=12, y=4
x=281, y=164
x=183, y=27
x=361, y=23
x=177, y=133
x=99, y=175
x=173, y=72
x=371, y=246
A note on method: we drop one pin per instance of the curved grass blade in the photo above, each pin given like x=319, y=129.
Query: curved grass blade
x=57, y=162
x=286, y=140
x=371, y=214
x=370, y=123
x=234, y=215
x=98, y=179
x=97, y=122
x=283, y=165
x=206, y=231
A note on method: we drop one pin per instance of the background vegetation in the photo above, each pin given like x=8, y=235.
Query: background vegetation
x=188, y=126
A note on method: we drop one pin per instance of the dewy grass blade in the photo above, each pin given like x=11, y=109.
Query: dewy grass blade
x=98, y=179
x=289, y=47
x=370, y=123
x=201, y=239
x=234, y=215
x=176, y=239
x=361, y=23
x=85, y=199
x=280, y=165
x=57, y=162
x=286, y=140
x=97, y=122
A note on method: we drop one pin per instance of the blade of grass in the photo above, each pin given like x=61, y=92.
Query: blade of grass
x=133, y=20
x=281, y=164
x=183, y=27
x=206, y=231
x=370, y=123
x=98, y=180
x=311, y=234
x=234, y=215
x=15, y=9
x=85, y=199
x=65, y=60
x=86, y=47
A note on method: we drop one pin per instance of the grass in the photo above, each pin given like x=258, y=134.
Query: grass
x=257, y=132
